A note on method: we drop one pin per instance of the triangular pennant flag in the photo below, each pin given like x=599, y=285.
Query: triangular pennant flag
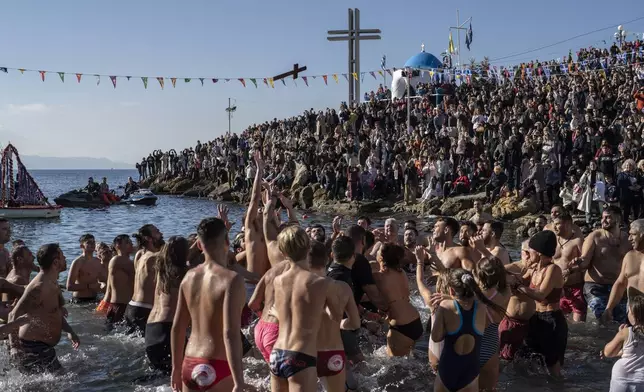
x=201, y=80
x=373, y=74
x=113, y=79
x=42, y=75
x=283, y=82
x=214, y=81
x=346, y=77
x=314, y=77
x=187, y=80
x=381, y=74
x=22, y=70
x=4, y=69
x=62, y=76
x=266, y=82
x=243, y=82
x=325, y=79
x=128, y=77
x=335, y=77
x=305, y=81
x=226, y=80
x=145, y=81
x=270, y=81
x=362, y=74
x=254, y=81
x=174, y=82
x=78, y=77
x=355, y=76
x=389, y=72
x=98, y=79
x=161, y=82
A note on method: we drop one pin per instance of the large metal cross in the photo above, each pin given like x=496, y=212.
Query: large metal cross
x=354, y=35
x=296, y=69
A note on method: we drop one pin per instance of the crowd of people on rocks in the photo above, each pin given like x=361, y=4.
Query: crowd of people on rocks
x=307, y=294
x=551, y=136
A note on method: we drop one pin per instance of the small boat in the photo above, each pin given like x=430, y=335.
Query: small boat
x=21, y=196
x=140, y=197
x=79, y=198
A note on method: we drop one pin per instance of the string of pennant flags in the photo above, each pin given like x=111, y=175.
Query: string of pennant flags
x=501, y=73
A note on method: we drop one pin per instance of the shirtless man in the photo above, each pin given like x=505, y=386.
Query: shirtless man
x=300, y=301
x=22, y=261
x=491, y=233
x=256, y=252
x=5, y=256
x=150, y=241
x=444, y=252
x=410, y=239
x=568, y=250
x=211, y=298
x=388, y=234
x=480, y=217
x=84, y=273
x=331, y=367
x=9, y=291
x=601, y=259
x=515, y=326
x=120, y=280
x=42, y=301
x=557, y=210
x=632, y=273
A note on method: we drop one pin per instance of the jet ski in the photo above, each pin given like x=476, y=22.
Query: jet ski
x=140, y=197
x=79, y=198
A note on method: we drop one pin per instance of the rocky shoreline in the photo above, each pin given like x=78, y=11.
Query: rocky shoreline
x=313, y=198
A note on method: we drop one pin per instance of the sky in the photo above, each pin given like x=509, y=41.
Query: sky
x=233, y=39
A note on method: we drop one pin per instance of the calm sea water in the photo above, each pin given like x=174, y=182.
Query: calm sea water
x=115, y=362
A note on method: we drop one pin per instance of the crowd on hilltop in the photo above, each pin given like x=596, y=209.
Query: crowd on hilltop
x=574, y=137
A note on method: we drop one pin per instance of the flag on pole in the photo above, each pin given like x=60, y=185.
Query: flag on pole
x=451, y=44
x=468, y=37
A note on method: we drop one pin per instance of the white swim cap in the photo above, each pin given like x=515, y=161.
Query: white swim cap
x=204, y=374
x=335, y=363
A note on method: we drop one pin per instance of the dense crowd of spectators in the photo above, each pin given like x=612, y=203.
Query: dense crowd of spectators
x=568, y=136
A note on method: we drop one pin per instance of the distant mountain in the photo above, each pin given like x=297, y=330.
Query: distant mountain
x=35, y=162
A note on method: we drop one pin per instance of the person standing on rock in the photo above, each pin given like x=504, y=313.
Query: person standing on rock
x=601, y=259
x=257, y=260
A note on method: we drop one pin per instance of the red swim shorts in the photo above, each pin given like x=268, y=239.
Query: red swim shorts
x=200, y=374
x=265, y=337
x=572, y=300
x=512, y=333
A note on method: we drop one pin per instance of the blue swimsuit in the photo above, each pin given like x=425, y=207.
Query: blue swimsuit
x=458, y=371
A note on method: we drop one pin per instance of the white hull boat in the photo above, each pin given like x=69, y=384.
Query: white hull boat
x=36, y=212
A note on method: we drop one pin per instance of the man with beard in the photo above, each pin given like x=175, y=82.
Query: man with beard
x=318, y=233
x=491, y=233
x=43, y=302
x=5, y=257
x=569, y=249
x=447, y=254
x=85, y=272
x=120, y=280
x=150, y=241
x=410, y=238
x=601, y=259
x=557, y=210
x=632, y=273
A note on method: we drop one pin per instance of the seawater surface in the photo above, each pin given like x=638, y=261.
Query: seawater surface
x=115, y=362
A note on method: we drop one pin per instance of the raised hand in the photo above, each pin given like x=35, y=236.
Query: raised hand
x=286, y=202
x=419, y=252
x=257, y=155
x=337, y=224
x=223, y=215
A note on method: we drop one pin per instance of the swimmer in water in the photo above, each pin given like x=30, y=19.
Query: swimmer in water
x=42, y=301
x=120, y=280
x=211, y=299
x=84, y=273
x=171, y=268
x=150, y=241
x=22, y=261
x=300, y=301
x=105, y=254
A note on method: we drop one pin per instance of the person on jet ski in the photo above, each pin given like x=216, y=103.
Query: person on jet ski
x=130, y=187
x=107, y=196
x=92, y=187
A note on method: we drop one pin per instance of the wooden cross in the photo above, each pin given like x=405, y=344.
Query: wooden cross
x=296, y=69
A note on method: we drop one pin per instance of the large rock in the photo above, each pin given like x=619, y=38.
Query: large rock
x=454, y=205
x=180, y=186
x=510, y=208
x=301, y=176
x=221, y=193
x=320, y=194
x=306, y=197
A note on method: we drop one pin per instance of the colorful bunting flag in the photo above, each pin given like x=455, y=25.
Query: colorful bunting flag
x=381, y=74
x=271, y=82
x=226, y=80
x=254, y=82
x=305, y=81
x=389, y=72
x=201, y=80
x=174, y=82
x=283, y=82
x=346, y=77
x=98, y=79
x=128, y=78
x=335, y=77
x=161, y=82
x=62, y=76
x=355, y=76
x=266, y=82
x=113, y=79
x=22, y=70
x=314, y=77
x=214, y=81
x=42, y=75
x=187, y=80
x=325, y=81
x=373, y=74
x=145, y=81
x=243, y=82
x=3, y=69
x=78, y=77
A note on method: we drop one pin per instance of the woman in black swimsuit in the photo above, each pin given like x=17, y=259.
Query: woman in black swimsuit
x=405, y=326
